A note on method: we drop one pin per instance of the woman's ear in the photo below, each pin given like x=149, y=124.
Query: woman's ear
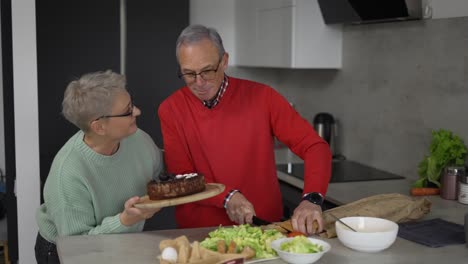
x=98, y=127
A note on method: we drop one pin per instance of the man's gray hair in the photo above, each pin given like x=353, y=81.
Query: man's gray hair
x=91, y=96
x=196, y=33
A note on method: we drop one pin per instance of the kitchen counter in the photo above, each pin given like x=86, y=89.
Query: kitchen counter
x=143, y=247
x=347, y=192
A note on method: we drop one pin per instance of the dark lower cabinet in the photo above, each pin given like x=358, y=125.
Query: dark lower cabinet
x=9, y=127
x=78, y=37
x=151, y=69
x=73, y=38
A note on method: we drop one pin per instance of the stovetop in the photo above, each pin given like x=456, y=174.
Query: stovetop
x=343, y=171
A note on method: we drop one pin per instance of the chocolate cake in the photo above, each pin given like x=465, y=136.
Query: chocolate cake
x=172, y=185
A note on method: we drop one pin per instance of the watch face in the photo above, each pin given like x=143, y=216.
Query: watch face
x=315, y=198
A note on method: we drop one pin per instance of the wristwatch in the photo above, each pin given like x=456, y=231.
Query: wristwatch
x=313, y=197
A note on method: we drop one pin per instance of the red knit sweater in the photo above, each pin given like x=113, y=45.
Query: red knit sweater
x=233, y=144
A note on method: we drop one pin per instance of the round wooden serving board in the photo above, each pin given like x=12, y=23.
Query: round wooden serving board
x=211, y=189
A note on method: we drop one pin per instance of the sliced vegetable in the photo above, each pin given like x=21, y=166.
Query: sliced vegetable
x=424, y=191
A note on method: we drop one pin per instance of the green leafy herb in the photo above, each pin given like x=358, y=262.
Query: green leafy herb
x=446, y=149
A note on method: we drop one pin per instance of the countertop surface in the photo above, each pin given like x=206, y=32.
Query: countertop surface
x=143, y=247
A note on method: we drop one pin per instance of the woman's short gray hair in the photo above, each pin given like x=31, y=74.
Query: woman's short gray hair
x=195, y=33
x=91, y=96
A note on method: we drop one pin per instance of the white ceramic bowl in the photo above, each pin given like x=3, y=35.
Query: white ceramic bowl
x=373, y=234
x=296, y=258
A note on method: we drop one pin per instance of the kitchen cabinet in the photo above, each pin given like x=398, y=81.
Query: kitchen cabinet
x=285, y=34
x=78, y=37
x=272, y=33
x=218, y=14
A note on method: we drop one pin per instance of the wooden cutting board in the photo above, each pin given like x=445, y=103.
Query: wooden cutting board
x=211, y=189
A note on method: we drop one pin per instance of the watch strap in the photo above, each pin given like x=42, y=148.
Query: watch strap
x=314, y=197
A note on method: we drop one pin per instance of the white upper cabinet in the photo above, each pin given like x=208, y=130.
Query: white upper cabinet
x=285, y=34
x=218, y=14
x=272, y=33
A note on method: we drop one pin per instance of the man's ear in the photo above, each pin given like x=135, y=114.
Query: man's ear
x=98, y=127
x=226, y=60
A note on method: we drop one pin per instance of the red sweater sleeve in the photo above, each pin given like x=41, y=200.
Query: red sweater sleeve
x=297, y=133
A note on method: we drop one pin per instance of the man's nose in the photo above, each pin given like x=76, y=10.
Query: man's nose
x=199, y=80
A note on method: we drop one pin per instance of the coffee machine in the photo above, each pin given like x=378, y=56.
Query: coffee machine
x=325, y=125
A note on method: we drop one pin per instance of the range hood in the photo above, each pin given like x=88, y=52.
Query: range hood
x=369, y=11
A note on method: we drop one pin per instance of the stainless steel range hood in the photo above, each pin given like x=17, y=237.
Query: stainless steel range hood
x=369, y=11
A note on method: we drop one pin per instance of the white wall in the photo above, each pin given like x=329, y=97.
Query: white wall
x=448, y=8
x=26, y=124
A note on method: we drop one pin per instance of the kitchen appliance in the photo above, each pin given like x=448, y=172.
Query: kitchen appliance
x=326, y=127
x=342, y=171
x=369, y=11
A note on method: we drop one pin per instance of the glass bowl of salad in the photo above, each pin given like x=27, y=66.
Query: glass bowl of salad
x=300, y=249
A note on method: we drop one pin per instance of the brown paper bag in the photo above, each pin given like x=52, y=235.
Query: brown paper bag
x=394, y=206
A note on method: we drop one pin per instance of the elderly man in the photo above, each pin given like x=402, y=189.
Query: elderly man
x=224, y=128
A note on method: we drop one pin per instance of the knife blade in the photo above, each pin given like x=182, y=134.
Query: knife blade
x=259, y=222
x=283, y=227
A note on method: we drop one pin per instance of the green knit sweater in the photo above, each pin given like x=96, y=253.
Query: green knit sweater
x=85, y=191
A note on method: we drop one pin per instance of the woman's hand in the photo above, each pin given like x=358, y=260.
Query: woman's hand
x=132, y=215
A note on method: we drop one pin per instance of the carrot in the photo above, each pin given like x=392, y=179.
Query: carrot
x=417, y=191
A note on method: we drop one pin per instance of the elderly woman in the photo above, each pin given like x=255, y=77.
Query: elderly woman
x=101, y=171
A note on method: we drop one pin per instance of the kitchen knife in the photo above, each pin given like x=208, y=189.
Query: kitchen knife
x=283, y=227
x=259, y=222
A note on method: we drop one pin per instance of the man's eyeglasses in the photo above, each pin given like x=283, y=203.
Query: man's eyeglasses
x=129, y=113
x=206, y=75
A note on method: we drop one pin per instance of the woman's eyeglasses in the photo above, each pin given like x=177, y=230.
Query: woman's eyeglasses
x=129, y=113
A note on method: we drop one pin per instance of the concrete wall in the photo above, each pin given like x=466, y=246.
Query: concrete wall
x=399, y=81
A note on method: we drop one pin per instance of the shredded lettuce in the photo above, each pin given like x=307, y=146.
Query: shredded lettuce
x=300, y=244
x=244, y=235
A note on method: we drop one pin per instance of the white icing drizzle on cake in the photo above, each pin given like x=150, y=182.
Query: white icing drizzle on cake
x=186, y=175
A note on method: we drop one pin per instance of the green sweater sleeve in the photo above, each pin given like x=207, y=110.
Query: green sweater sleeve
x=70, y=220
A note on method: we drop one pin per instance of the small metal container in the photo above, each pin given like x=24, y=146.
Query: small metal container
x=463, y=189
x=449, y=182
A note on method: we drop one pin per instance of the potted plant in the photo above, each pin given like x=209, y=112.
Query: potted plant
x=446, y=149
